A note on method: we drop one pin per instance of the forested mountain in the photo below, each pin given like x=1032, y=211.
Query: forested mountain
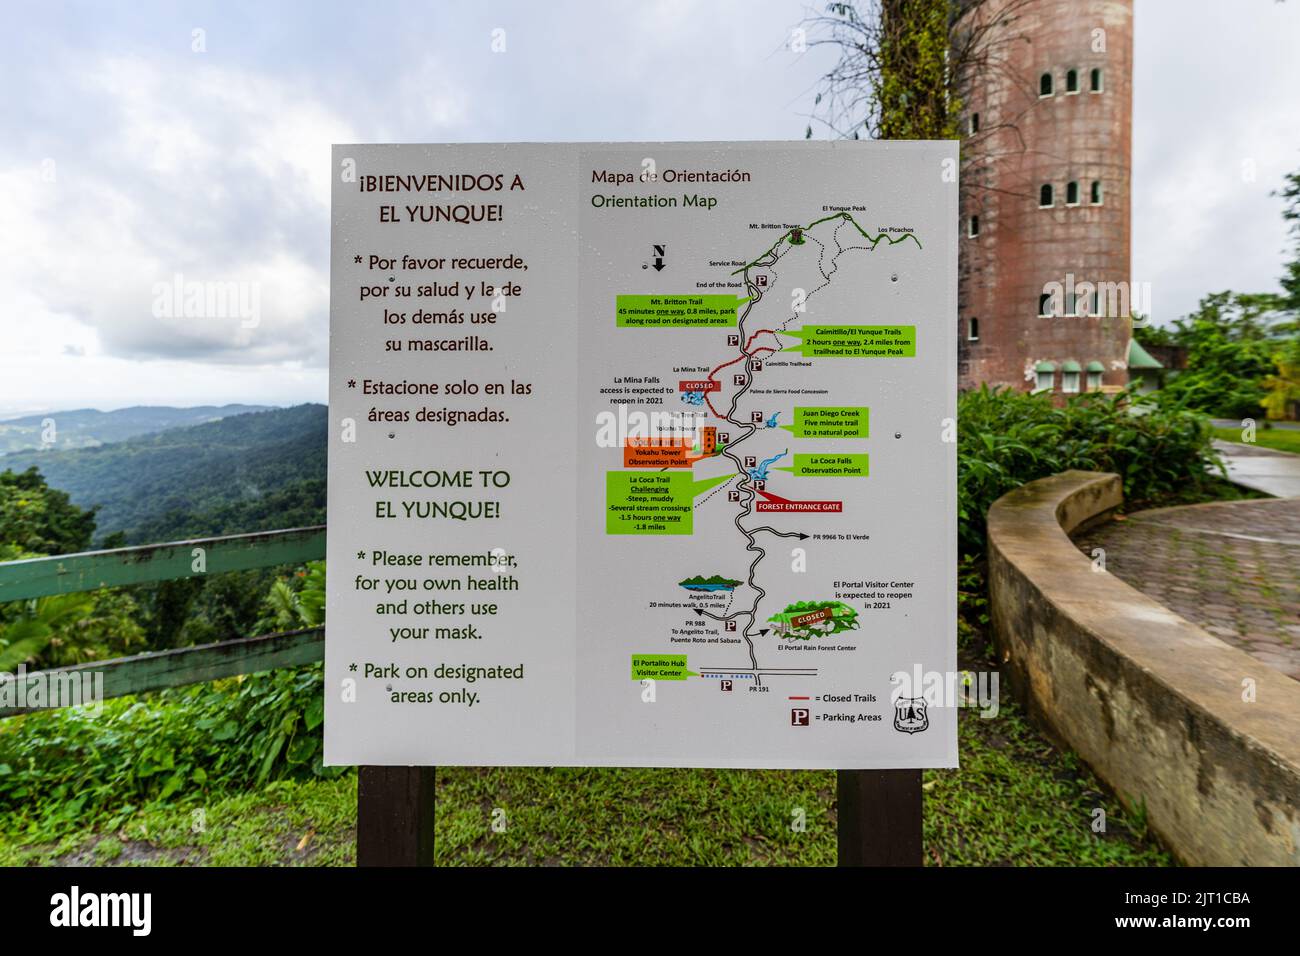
x=88, y=427
x=243, y=473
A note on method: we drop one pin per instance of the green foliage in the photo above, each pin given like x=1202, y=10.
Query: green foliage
x=186, y=742
x=65, y=629
x=1007, y=438
x=204, y=479
x=1283, y=388
x=1230, y=340
x=296, y=602
x=61, y=629
x=39, y=519
x=61, y=768
x=972, y=603
x=88, y=427
x=1243, y=351
x=904, y=66
x=27, y=633
x=203, y=609
x=1148, y=334
x=57, y=766
x=297, y=504
x=1290, y=193
x=912, y=87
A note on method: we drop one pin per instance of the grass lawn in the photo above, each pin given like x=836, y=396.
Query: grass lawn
x=1281, y=439
x=1015, y=801
x=287, y=823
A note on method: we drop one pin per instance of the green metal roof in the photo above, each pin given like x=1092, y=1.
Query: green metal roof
x=1096, y=367
x=1045, y=367
x=1138, y=357
x=1070, y=365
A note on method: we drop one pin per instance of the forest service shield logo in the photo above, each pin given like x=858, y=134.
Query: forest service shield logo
x=910, y=716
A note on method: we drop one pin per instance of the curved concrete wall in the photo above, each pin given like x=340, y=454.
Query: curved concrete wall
x=1159, y=708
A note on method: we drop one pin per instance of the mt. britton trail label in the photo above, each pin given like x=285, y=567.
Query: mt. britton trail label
x=641, y=455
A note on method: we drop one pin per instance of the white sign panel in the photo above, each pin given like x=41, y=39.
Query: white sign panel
x=643, y=455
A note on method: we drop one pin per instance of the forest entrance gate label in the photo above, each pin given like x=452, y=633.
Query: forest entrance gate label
x=642, y=455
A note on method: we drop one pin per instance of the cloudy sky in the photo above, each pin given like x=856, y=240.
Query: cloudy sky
x=142, y=142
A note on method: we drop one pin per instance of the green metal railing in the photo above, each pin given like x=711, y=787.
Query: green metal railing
x=91, y=570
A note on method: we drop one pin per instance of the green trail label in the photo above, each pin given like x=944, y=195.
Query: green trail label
x=855, y=341
x=849, y=421
x=829, y=466
x=653, y=502
x=677, y=311
x=660, y=667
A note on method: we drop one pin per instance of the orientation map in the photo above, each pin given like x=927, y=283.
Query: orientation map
x=643, y=455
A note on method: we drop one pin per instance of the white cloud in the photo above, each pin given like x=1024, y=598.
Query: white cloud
x=208, y=172
x=1214, y=90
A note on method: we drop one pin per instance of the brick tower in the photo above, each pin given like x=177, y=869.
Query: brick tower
x=1043, y=295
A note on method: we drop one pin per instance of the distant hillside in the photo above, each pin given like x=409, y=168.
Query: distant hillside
x=88, y=427
x=297, y=504
x=243, y=473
